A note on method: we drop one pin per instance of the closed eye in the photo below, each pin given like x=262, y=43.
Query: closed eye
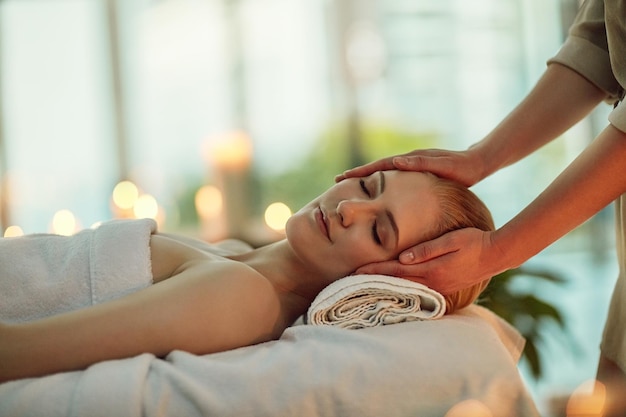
x=375, y=235
x=364, y=188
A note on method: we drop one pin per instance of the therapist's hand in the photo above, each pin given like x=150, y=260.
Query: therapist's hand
x=447, y=264
x=464, y=167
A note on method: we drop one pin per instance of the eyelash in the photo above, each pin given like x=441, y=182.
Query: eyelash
x=375, y=235
x=364, y=188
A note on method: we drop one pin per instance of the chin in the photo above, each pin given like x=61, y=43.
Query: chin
x=291, y=225
x=296, y=231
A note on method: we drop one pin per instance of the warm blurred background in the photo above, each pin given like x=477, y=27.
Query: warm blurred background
x=219, y=117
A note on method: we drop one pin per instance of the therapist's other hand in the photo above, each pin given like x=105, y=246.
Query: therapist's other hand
x=451, y=262
x=461, y=166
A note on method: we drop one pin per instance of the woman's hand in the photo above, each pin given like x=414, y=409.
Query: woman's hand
x=447, y=264
x=464, y=167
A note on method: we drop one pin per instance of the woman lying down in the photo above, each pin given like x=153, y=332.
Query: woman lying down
x=209, y=301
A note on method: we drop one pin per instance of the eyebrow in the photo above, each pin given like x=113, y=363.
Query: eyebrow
x=389, y=214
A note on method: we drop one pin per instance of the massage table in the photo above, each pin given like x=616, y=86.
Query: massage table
x=457, y=365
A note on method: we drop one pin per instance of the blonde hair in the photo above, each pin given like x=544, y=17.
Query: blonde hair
x=460, y=208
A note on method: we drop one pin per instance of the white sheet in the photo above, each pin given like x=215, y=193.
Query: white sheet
x=421, y=368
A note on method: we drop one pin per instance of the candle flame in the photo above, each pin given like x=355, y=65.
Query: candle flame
x=231, y=150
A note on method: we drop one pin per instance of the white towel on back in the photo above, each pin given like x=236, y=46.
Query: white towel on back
x=359, y=301
x=44, y=274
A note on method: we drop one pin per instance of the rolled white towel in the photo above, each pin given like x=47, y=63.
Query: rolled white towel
x=359, y=301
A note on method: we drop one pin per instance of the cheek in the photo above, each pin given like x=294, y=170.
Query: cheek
x=361, y=253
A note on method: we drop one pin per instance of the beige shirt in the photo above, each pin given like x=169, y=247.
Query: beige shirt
x=596, y=49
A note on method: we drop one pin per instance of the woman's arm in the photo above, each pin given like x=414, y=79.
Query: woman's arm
x=560, y=99
x=591, y=182
x=206, y=307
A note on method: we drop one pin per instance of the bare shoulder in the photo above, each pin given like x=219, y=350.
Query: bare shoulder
x=245, y=289
x=233, y=275
x=238, y=294
x=224, y=247
x=233, y=246
x=170, y=253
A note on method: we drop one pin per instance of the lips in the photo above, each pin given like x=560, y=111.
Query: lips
x=321, y=220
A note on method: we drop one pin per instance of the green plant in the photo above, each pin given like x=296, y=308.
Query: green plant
x=524, y=311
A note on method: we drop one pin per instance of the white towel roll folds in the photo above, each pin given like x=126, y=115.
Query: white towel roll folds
x=360, y=301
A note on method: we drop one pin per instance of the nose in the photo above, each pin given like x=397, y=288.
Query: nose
x=351, y=210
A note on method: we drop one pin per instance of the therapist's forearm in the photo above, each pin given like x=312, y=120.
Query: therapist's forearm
x=591, y=182
x=559, y=100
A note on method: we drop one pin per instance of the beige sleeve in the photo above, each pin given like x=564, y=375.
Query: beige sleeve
x=586, y=51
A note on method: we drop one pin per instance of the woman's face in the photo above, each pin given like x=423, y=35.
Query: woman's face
x=364, y=220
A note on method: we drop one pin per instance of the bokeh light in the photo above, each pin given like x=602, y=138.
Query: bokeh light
x=13, y=231
x=276, y=216
x=230, y=150
x=125, y=195
x=587, y=400
x=209, y=201
x=64, y=223
x=469, y=408
x=146, y=207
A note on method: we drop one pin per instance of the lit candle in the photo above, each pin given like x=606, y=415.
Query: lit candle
x=209, y=204
x=231, y=155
